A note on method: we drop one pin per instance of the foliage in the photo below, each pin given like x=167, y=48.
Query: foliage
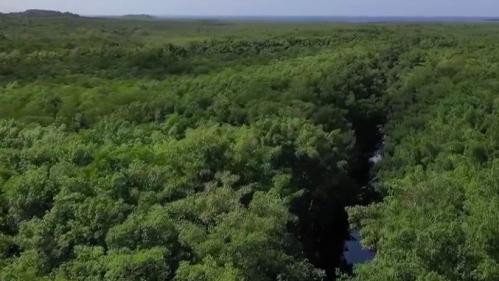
x=164, y=150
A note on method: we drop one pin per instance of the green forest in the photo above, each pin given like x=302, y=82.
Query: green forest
x=210, y=150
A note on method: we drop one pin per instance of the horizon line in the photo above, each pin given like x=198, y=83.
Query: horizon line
x=289, y=16
x=258, y=15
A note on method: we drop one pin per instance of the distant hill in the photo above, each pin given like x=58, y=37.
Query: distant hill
x=43, y=14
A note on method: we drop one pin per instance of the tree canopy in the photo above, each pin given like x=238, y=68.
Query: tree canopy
x=186, y=150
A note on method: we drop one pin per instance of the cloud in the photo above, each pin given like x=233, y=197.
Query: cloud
x=4, y=8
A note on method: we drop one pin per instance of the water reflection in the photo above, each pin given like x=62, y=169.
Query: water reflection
x=354, y=253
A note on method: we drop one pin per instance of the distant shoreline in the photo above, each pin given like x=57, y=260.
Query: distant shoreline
x=269, y=18
x=340, y=19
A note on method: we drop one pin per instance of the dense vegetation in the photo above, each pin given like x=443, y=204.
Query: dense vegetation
x=163, y=150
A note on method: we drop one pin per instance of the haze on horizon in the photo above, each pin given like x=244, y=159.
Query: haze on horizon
x=427, y=8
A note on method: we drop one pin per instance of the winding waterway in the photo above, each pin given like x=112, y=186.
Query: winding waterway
x=323, y=227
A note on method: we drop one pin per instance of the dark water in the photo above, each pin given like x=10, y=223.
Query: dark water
x=354, y=253
x=323, y=227
x=370, y=139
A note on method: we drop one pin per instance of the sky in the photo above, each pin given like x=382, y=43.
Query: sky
x=472, y=8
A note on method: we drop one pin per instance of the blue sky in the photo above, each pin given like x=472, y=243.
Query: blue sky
x=265, y=7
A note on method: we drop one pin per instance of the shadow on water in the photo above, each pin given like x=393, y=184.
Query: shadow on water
x=323, y=227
